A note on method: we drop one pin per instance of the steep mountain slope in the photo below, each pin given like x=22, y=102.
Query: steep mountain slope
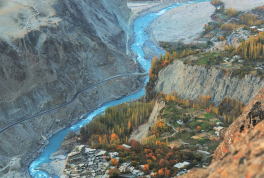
x=241, y=152
x=191, y=81
x=49, y=52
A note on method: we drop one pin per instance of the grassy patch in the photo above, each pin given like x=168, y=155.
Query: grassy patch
x=206, y=126
x=212, y=148
x=193, y=124
x=205, y=58
x=184, y=135
x=203, y=141
x=208, y=115
x=175, y=124
x=201, y=118
x=202, y=61
x=211, y=132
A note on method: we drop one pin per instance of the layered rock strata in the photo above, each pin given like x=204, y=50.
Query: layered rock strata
x=191, y=81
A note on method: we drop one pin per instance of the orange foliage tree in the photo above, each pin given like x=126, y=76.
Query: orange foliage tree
x=198, y=128
x=114, y=162
x=114, y=137
x=120, y=147
x=167, y=172
x=146, y=168
x=161, y=173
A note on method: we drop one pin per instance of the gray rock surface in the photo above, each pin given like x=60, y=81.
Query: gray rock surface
x=54, y=167
x=47, y=65
x=67, y=145
x=192, y=81
x=149, y=52
x=70, y=135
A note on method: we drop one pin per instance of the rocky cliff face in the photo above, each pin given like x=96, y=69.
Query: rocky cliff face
x=192, y=81
x=46, y=59
x=240, y=154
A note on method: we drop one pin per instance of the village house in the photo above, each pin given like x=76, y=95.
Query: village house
x=86, y=162
x=126, y=146
x=113, y=154
x=124, y=167
x=76, y=155
x=218, y=129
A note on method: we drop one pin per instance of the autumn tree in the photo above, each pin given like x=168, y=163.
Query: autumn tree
x=162, y=163
x=146, y=168
x=135, y=145
x=114, y=162
x=166, y=172
x=114, y=173
x=231, y=12
x=114, y=137
x=253, y=48
x=161, y=172
x=198, y=128
x=187, y=102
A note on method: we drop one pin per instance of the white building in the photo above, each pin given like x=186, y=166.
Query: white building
x=126, y=146
x=181, y=165
x=101, y=153
x=113, y=154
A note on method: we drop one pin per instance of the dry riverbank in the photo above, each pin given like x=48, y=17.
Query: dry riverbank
x=184, y=23
x=243, y=5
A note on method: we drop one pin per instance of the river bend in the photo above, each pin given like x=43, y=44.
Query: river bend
x=140, y=37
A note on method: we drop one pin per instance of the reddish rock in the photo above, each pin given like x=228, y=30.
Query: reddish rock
x=234, y=128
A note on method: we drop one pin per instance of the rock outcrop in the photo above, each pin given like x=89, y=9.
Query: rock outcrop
x=191, y=81
x=47, y=58
x=240, y=154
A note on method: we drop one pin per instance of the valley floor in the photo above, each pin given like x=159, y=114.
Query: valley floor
x=186, y=23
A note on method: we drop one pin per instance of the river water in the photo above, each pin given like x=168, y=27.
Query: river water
x=140, y=25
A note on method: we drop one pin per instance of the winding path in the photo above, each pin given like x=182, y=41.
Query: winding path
x=35, y=7
x=228, y=63
x=230, y=39
x=72, y=100
x=176, y=131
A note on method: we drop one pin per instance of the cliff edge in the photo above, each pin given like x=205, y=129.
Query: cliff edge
x=191, y=81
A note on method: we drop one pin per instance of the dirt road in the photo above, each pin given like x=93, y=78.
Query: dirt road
x=142, y=131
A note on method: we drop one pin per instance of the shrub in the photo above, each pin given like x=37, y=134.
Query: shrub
x=134, y=163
